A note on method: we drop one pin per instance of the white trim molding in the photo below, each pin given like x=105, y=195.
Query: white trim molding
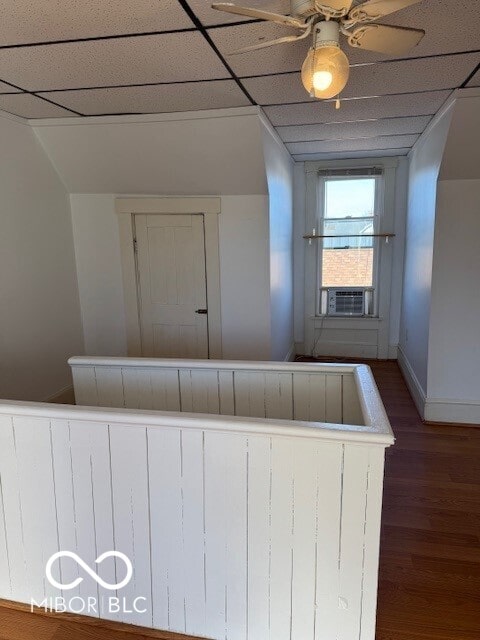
x=413, y=384
x=447, y=410
x=210, y=207
x=437, y=410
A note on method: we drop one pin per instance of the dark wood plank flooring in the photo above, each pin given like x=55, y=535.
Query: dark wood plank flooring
x=429, y=586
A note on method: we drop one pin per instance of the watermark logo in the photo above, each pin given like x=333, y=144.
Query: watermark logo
x=87, y=569
x=91, y=605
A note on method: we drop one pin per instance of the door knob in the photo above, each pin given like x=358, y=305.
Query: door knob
x=202, y=312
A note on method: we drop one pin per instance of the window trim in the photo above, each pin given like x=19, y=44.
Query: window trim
x=382, y=319
x=377, y=225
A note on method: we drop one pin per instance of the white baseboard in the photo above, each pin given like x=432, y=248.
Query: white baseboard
x=441, y=410
x=290, y=357
x=414, y=386
x=456, y=411
x=392, y=351
x=64, y=396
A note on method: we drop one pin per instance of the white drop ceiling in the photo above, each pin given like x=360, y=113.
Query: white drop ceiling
x=70, y=59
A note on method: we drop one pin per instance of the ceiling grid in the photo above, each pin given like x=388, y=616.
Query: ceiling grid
x=99, y=57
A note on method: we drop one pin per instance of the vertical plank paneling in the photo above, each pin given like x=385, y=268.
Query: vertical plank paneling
x=259, y=514
x=328, y=510
x=249, y=390
x=372, y=542
x=37, y=496
x=333, y=410
x=352, y=411
x=65, y=501
x=215, y=469
x=199, y=391
x=131, y=521
x=354, y=497
x=309, y=393
x=225, y=391
x=305, y=466
x=137, y=388
x=281, y=557
x=109, y=386
x=14, y=581
x=85, y=386
x=193, y=531
x=92, y=494
x=165, y=471
x=165, y=389
x=278, y=396
x=236, y=537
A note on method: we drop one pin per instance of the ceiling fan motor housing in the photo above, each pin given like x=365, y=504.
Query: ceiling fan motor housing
x=327, y=33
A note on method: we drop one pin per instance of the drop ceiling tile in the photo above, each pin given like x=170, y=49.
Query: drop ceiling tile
x=348, y=130
x=154, y=99
x=208, y=16
x=361, y=109
x=475, y=81
x=409, y=76
x=139, y=60
x=27, y=106
x=6, y=88
x=359, y=144
x=24, y=21
x=277, y=59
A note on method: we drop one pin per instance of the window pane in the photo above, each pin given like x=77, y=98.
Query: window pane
x=349, y=198
x=347, y=267
x=347, y=230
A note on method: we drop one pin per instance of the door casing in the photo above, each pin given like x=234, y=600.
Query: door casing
x=210, y=207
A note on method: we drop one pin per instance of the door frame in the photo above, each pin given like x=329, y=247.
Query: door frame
x=210, y=208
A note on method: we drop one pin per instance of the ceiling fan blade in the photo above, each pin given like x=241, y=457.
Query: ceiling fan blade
x=334, y=8
x=288, y=21
x=385, y=39
x=374, y=9
x=271, y=43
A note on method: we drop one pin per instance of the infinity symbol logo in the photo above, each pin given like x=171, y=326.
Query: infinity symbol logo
x=91, y=573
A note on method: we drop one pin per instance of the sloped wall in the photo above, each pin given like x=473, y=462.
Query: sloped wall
x=279, y=168
x=40, y=325
x=425, y=162
x=441, y=302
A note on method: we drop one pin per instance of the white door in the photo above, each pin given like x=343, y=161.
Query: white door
x=172, y=285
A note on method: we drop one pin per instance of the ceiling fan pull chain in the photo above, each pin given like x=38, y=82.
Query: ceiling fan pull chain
x=337, y=103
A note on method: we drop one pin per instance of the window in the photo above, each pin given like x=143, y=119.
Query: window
x=348, y=210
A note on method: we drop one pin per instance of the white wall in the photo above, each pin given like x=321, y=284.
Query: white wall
x=279, y=168
x=425, y=163
x=99, y=271
x=40, y=325
x=454, y=360
x=202, y=153
x=244, y=280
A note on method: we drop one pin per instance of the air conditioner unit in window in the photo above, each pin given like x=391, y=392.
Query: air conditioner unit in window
x=346, y=302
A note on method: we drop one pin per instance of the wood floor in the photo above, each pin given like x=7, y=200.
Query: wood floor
x=429, y=585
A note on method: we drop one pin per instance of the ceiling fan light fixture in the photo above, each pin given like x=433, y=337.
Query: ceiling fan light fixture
x=325, y=72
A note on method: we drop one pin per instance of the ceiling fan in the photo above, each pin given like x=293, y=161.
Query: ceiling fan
x=326, y=69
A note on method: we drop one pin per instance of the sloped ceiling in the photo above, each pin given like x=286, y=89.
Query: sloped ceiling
x=68, y=59
x=171, y=155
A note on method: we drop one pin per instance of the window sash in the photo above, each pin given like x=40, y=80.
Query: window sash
x=348, y=174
